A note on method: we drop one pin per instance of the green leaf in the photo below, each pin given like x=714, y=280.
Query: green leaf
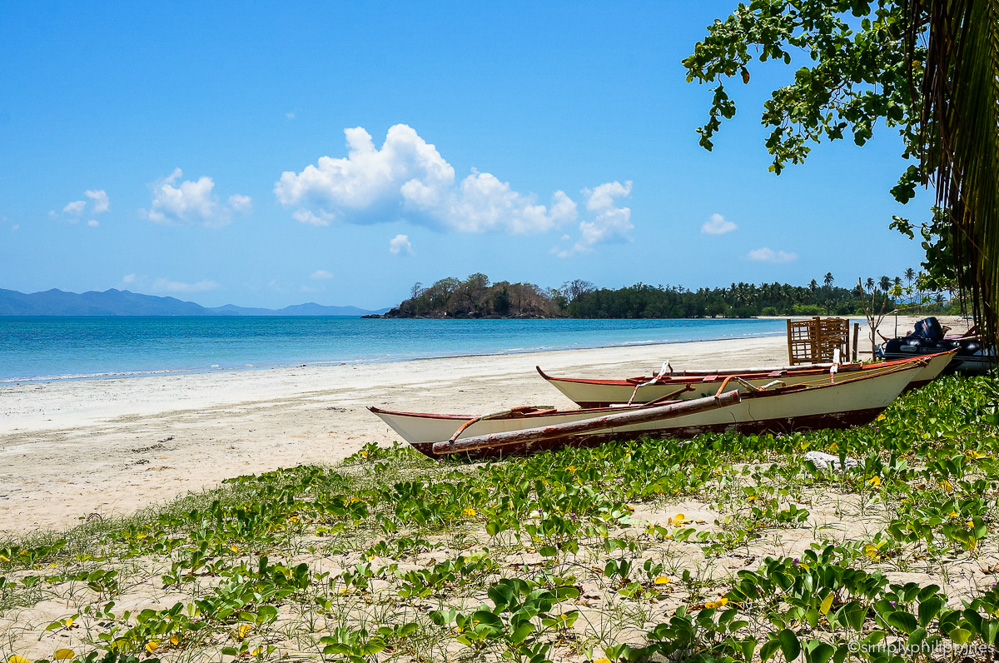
x=903, y=621
x=929, y=609
x=818, y=652
x=521, y=632
x=789, y=644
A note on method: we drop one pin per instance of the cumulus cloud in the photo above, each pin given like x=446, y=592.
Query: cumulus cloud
x=320, y=274
x=166, y=285
x=93, y=223
x=769, y=255
x=240, y=203
x=610, y=222
x=130, y=278
x=73, y=211
x=75, y=208
x=407, y=178
x=400, y=246
x=717, y=225
x=192, y=202
x=101, y=202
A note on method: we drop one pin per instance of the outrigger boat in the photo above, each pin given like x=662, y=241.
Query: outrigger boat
x=775, y=408
x=696, y=384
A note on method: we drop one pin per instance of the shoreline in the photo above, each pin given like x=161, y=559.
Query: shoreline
x=296, y=363
x=114, y=446
x=15, y=381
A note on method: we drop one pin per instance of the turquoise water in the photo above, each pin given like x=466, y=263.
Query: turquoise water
x=76, y=348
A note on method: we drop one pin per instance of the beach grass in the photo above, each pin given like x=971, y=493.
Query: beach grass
x=721, y=548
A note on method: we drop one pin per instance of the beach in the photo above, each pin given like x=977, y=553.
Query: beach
x=114, y=446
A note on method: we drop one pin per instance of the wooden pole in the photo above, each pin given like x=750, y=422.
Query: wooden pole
x=790, y=354
x=636, y=415
x=856, y=339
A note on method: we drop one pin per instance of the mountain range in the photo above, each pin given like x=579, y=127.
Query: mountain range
x=124, y=303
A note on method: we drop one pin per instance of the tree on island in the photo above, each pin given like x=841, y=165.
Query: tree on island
x=926, y=68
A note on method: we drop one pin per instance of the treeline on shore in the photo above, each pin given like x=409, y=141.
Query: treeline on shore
x=478, y=297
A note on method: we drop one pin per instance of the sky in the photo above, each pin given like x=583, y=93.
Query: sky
x=269, y=154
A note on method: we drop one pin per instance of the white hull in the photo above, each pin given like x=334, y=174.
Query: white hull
x=835, y=405
x=597, y=393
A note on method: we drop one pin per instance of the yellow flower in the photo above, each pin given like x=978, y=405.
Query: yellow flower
x=970, y=523
x=151, y=646
x=628, y=507
x=363, y=454
x=257, y=651
x=722, y=601
x=678, y=519
x=243, y=630
x=68, y=622
x=601, y=660
x=975, y=454
x=751, y=498
x=17, y=659
x=63, y=654
x=710, y=604
x=23, y=552
x=952, y=514
x=661, y=580
x=874, y=481
x=871, y=551
x=945, y=485
x=175, y=640
x=571, y=468
x=233, y=548
x=4, y=559
x=468, y=512
x=881, y=417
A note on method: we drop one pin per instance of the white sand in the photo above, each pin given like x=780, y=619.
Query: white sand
x=71, y=448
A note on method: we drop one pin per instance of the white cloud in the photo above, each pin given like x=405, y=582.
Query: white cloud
x=610, y=223
x=15, y=227
x=75, y=208
x=320, y=274
x=129, y=278
x=717, y=225
x=400, y=246
x=240, y=203
x=407, y=178
x=101, y=201
x=166, y=285
x=192, y=202
x=769, y=255
x=93, y=223
x=289, y=115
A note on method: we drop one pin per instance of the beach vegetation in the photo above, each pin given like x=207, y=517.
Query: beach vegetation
x=724, y=548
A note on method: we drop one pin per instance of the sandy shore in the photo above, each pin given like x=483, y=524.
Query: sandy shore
x=71, y=448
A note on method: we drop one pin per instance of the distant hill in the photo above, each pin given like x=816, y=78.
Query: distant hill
x=124, y=303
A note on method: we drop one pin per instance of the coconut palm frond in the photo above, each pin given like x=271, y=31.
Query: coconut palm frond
x=960, y=125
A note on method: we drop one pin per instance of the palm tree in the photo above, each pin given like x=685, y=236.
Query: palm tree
x=885, y=283
x=828, y=279
x=910, y=274
x=959, y=125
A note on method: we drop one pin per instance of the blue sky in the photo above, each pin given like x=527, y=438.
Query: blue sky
x=267, y=154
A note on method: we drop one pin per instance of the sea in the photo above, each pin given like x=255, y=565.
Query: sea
x=80, y=348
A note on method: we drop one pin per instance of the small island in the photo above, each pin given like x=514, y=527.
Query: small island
x=478, y=298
